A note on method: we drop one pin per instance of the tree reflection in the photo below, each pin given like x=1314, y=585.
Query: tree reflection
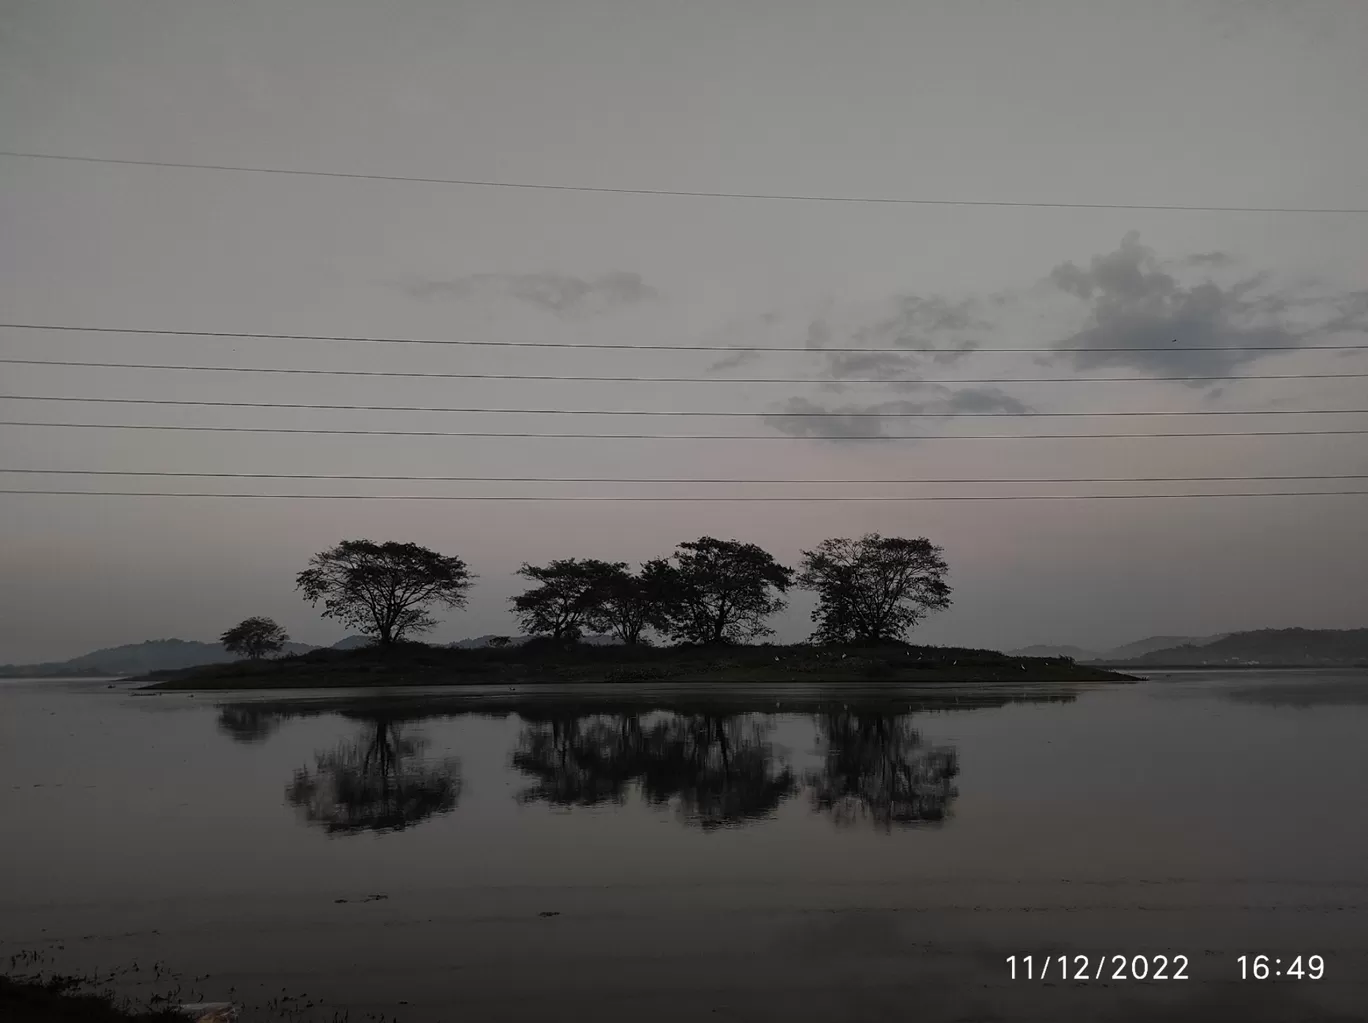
x=719, y=768
x=376, y=782
x=875, y=768
x=722, y=769
x=580, y=760
x=245, y=723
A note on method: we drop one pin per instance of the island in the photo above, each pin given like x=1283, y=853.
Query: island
x=409, y=664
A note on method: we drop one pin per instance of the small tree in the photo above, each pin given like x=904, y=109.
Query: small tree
x=873, y=589
x=254, y=637
x=384, y=590
x=568, y=596
x=721, y=591
x=632, y=603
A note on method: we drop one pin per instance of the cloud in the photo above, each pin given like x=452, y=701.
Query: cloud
x=732, y=361
x=1133, y=303
x=556, y=293
x=915, y=319
x=1209, y=259
x=800, y=417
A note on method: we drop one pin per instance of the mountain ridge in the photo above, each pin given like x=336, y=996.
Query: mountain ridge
x=1269, y=647
x=149, y=655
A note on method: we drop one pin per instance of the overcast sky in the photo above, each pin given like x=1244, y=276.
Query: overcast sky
x=1202, y=103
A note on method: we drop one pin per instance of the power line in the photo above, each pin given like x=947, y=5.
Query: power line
x=694, y=500
x=669, y=480
x=733, y=349
x=561, y=435
x=419, y=374
x=681, y=193
x=183, y=402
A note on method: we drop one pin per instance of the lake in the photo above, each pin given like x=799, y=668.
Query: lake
x=677, y=853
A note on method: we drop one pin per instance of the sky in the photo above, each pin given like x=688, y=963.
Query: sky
x=1208, y=103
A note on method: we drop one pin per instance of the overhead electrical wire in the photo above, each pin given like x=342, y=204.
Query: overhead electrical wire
x=422, y=374
x=562, y=435
x=693, y=413
x=673, y=480
x=600, y=499
x=728, y=349
x=678, y=193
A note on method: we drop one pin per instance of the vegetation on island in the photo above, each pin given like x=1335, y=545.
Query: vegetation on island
x=700, y=615
x=254, y=638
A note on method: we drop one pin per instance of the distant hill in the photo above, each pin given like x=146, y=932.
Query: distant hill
x=352, y=642
x=1141, y=647
x=1271, y=647
x=150, y=655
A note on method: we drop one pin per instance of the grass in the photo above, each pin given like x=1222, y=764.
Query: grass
x=419, y=664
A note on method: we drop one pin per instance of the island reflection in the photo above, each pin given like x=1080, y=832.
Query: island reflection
x=714, y=762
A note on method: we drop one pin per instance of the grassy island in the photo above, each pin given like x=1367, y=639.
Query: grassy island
x=408, y=664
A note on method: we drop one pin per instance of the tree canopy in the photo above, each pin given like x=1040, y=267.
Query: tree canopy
x=722, y=591
x=632, y=603
x=873, y=589
x=254, y=638
x=384, y=590
x=568, y=595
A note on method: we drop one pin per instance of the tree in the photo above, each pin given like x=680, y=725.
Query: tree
x=632, y=603
x=254, y=637
x=721, y=591
x=384, y=589
x=873, y=589
x=569, y=593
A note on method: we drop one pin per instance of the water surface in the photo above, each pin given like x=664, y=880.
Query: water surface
x=746, y=853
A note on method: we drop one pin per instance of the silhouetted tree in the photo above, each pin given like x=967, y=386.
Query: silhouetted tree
x=254, y=637
x=873, y=589
x=875, y=767
x=568, y=593
x=721, y=591
x=384, y=589
x=633, y=603
x=377, y=782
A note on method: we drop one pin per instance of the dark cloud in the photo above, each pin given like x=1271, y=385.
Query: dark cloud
x=557, y=293
x=801, y=417
x=1133, y=303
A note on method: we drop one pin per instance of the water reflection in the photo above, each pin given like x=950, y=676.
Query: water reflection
x=378, y=781
x=247, y=723
x=721, y=769
x=579, y=760
x=876, y=769
x=712, y=759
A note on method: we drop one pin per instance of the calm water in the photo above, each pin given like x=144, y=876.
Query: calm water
x=570, y=853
